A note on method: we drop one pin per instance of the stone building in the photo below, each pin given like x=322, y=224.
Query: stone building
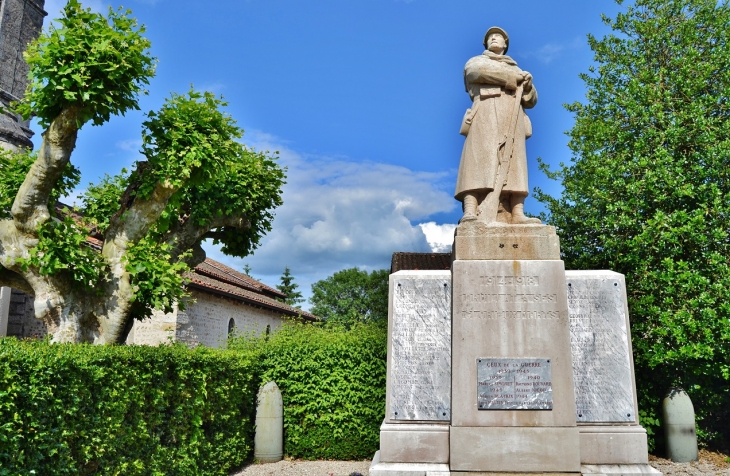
x=20, y=23
x=222, y=301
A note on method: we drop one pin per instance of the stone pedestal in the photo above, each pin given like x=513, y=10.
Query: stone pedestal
x=512, y=315
x=537, y=362
x=475, y=240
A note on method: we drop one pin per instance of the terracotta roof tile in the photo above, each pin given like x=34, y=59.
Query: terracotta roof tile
x=220, y=271
x=425, y=261
x=215, y=286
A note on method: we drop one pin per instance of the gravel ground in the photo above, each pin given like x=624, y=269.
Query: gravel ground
x=306, y=468
x=710, y=464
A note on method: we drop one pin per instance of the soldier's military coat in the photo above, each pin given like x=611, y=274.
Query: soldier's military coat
x=491, y=80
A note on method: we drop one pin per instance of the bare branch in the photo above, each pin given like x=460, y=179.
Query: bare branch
x=187, y=234
x=134, y=220
x=30, y=208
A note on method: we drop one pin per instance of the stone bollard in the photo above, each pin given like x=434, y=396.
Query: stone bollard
x=269, y=440
x=679, y=426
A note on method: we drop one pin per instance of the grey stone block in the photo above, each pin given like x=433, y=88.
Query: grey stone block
x=603, y=369
x=512, y=449
x=478, y=241
x=419, y=347
x=613, y=445
x=510, y=310
x=377, y=468
x=414, y=443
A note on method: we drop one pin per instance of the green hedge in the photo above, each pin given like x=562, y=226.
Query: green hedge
x=333, y=385
x=79, y=409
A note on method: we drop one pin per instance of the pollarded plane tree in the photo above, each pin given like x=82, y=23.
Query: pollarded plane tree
x=196, y=182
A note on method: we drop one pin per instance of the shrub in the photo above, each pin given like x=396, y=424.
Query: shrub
x=332, y=381
x=80, y=409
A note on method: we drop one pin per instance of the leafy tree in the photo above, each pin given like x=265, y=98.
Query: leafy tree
x=647, y=194
x=289, y=287
x=247, y=269
x=197, y=182
x=351, y=296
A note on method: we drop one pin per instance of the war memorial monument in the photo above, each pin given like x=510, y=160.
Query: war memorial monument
x=507, y=363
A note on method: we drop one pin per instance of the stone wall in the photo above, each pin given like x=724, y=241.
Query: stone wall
x=21, y=317
x=206, y=321
x=21, y=22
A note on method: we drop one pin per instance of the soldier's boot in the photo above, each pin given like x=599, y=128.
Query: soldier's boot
x=470, y=208
x=518, y=212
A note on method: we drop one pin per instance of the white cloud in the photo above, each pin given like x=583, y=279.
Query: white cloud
x=551, y=51
x=132, y=145
x=215, y=87
x=339, y=213
x=439, y=237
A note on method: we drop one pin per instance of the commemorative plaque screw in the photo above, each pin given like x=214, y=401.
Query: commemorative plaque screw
x=501, y=245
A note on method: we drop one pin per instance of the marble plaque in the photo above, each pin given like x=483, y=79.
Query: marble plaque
x=599, y=341
x=420, y=354
x=514, y=384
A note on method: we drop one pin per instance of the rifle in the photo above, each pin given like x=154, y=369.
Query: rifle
x=491, y=202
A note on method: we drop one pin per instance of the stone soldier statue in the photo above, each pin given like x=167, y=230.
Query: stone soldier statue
x=492, y=181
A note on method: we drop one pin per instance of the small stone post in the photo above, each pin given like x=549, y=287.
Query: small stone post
x=679, y=426
x=269, y=440
x=5, y=294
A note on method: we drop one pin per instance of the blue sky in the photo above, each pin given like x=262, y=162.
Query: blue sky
x=363, y=99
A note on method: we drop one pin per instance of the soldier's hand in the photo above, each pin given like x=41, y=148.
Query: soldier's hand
x=526, y=82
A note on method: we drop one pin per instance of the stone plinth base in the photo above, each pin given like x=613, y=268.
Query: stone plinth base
x=515, y=449
x=475, y=240
x=613, y=445
x=492, y=473
x=377, y=468
x=414, y=443
x=618, y=470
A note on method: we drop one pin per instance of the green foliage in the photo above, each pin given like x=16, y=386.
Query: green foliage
x=187, y=140
x=289, y=287
x=646, y=194
x=333, y=385
x=79, y=409
x=13, y=169
x=101, y=201
x=157, y=280
x=190, y=143
x=14, y=166
x=96, y=64
x=352, y=295
x=62, y=248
